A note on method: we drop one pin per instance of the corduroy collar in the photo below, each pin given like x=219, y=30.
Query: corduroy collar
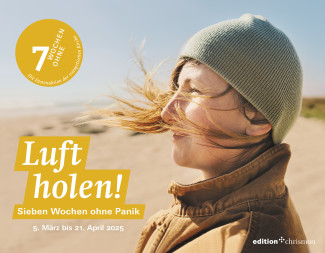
x=261, y=178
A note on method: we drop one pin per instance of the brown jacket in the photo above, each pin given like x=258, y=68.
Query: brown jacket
x=247, y=210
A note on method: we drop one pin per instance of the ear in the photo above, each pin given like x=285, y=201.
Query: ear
x=257, y=129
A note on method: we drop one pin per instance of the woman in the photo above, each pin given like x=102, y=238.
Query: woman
x=235, y=93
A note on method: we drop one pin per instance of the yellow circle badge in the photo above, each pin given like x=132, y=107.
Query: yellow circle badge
x=49, y=52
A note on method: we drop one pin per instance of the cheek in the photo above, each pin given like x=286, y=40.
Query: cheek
x=197, y=113
x=232, y=120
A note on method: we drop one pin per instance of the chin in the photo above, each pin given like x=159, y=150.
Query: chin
x=182, y=159
x=179, y=158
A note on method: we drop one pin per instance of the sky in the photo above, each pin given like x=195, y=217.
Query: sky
x=109, y=29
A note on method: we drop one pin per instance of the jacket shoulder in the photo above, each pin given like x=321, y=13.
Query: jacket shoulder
x=228, y=238
x=272, y=233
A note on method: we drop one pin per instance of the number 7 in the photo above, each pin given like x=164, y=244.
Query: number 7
x=42, y=59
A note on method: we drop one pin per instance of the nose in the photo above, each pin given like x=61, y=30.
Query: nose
x=169, y=113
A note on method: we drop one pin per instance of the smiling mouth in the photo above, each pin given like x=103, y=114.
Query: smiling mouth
x=178, y=136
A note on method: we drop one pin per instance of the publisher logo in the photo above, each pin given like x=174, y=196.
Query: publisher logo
x=49, y=52
x=283, y=240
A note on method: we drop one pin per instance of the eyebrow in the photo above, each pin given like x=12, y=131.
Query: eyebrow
x=228, y=89
x=200, y=85
x=189, y=80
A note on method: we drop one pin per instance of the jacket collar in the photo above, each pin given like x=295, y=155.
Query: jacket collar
x=261, y=178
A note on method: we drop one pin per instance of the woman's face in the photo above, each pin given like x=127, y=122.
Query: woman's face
x=193, y=150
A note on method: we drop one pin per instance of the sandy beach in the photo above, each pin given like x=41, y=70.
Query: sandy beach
x=148, y=158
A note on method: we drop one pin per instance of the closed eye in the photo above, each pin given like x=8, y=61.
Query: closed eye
x=192, y=90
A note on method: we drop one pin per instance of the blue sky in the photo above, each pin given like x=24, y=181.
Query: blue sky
x=106, y=29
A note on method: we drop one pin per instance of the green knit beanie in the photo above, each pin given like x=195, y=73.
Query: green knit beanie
x=259, y=61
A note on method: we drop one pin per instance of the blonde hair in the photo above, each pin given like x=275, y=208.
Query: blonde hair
x=144, y=114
